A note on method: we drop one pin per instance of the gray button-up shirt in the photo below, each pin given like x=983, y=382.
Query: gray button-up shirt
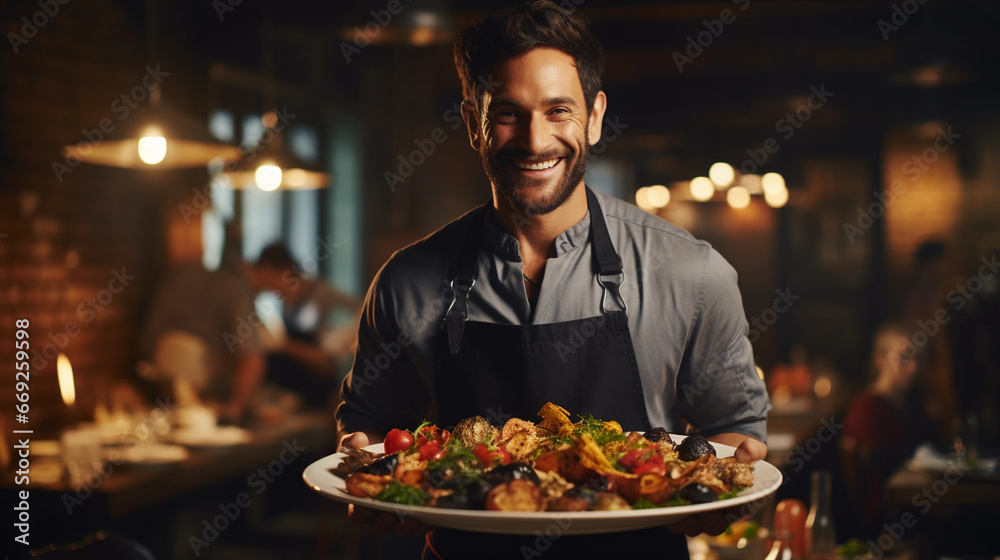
x=685, y=316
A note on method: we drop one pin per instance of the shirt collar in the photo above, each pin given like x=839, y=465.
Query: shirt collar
x=505, y=245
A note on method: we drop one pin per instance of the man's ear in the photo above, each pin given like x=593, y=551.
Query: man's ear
x=471, y=117
x=596, y=119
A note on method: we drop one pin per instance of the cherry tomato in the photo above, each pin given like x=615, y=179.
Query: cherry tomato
x=398, y=440
x=654, y=465
x=432, y=433
x=489, y=456
x=632, y=458
x=431, y=451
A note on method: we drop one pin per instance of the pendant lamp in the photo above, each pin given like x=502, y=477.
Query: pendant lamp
x=153, y=135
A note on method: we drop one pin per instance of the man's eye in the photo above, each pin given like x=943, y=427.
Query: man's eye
x=505, y=117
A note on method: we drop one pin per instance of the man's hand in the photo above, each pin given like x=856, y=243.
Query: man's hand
x=380, y=522
x=748, y=450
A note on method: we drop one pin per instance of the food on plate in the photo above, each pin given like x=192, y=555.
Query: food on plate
x=553, y=465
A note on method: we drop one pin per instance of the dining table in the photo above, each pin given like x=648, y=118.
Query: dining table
x=166, y=503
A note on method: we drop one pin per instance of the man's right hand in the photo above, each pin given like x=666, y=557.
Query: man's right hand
x=380, y=522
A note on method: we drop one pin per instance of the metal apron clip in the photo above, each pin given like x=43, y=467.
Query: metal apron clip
x=612, y=283
x=458, y=313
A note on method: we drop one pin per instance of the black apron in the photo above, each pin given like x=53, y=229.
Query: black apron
x=587, y=366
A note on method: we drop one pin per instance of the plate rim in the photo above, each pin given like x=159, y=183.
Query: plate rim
x=633, y=519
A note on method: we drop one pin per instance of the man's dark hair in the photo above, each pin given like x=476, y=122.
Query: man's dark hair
x=276, y=255
x=514, y=31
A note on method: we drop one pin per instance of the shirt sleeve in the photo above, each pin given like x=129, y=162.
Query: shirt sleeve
x=384, y=389
x=718, y=388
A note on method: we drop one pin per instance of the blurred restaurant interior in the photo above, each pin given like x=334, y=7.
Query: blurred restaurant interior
x=837, y=154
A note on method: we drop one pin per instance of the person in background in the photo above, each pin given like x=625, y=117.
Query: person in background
x=308, y=360
x=884, y=423
x=198, y=334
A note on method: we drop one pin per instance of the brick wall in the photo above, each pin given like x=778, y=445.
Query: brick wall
x=79, y=256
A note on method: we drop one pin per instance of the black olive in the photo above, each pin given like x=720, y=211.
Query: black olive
x=698, y=494
x=383, y=466
x=513, y=471
x=694, y=446
x=474, y=489
x=657, y=434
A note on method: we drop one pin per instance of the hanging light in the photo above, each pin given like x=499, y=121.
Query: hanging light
x=153, y=135
x=271, y=167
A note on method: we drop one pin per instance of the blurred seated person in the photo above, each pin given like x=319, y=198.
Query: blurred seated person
x=198, y=331
x=884, y=424
x=308, y=361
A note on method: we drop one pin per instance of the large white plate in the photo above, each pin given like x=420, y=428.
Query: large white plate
x=767, y=479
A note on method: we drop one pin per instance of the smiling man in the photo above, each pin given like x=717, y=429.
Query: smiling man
x=552, y=292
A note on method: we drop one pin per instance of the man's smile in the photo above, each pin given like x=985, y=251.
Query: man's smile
x=535, y=166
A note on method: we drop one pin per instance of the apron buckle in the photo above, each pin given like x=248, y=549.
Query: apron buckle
x=612, y=283
x=455, y=317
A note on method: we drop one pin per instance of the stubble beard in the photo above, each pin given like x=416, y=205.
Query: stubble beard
x=514, y=194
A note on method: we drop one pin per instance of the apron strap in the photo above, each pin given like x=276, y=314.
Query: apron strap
x=610, y=274
x=464, y=280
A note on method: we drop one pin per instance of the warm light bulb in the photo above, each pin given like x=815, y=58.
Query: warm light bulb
x=738, y=197
x=268, y=177
x=64, y=372
x=152, y=149
x=702, y=189
x=776, y=199
x=722, y=174
x=658, y=196
x=772, y=182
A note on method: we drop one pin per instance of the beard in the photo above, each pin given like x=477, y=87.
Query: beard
x=515, y=190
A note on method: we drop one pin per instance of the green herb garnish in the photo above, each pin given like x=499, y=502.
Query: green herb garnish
x=399, y=493
x=732, y=493
x=643, y=503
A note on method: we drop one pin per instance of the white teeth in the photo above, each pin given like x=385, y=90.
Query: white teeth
x=537, y=166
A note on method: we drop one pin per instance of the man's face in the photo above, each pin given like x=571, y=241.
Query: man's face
x=533, y=136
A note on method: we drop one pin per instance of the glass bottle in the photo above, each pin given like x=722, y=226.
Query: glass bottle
x=821, y=540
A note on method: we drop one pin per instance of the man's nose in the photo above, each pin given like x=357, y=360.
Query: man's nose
x=536, y=135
